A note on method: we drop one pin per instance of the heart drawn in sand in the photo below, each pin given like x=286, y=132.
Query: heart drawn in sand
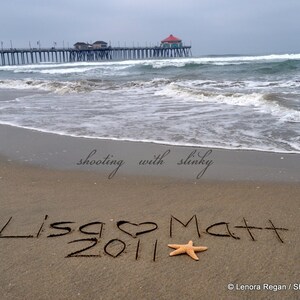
x=134, y=229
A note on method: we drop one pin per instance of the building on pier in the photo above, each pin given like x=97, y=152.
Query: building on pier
x=86, y=46
x=99, y=45
x=171, y=42
x=82, y=46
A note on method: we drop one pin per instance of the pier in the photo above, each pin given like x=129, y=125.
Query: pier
x=10, y=57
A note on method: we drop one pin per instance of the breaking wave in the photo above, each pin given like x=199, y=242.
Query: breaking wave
x=59, y=87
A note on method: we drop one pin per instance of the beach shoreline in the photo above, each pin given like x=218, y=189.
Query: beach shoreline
x=115, y=158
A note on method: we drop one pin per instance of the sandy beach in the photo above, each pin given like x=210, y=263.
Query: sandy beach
x=73, y=229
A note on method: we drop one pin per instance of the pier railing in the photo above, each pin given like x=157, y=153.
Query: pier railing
x=64, y=55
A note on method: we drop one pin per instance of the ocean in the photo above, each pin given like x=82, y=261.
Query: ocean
x=232, y=102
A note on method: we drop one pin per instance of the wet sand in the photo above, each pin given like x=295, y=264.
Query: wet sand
x=145, y=159
x=244, y=208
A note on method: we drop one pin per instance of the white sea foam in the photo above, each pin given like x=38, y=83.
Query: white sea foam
x=223, y=60
x=60, y=87
x=55, y=70
x=21, y=84
x=255, y=100
x=232, y=146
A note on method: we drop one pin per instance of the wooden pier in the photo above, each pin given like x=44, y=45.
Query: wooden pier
x=9, y=57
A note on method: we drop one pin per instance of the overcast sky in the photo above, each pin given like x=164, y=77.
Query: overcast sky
x=212, y=26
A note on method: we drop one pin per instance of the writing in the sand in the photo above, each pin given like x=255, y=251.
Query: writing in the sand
x=156, y=160
x=196, y=158
x=91, y=234
x=106, y=160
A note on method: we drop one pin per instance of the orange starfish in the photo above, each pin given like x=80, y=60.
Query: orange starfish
x=189, y=249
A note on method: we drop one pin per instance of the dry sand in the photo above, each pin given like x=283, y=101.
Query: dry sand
x=39, y=178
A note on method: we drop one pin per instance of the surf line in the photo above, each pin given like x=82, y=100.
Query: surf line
x=105, y=161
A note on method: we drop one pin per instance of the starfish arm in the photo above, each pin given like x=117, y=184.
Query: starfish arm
x=178, y=251
x=192, y=254
x=199, y=249
x=174, y=246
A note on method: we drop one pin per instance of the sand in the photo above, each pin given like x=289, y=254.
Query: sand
x=52, y=208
